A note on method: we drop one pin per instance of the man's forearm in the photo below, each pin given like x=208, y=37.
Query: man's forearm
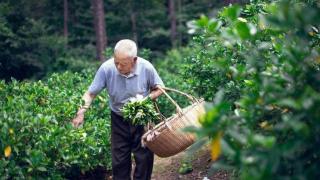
x=156, y=92
x=87, y=98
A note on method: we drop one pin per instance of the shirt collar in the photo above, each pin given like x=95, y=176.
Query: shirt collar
x=137, y=67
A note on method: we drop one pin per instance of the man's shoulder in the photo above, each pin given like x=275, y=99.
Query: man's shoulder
x=145, y=63
x=108, y=64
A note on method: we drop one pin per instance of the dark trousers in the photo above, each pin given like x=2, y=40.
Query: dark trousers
x=126, y=138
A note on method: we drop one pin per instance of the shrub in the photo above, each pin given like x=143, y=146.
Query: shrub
x=170, y=70
x=266, y=122
x=36, y=132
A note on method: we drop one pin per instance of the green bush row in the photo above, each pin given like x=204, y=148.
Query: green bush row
x=37, y=139
x=36, y=132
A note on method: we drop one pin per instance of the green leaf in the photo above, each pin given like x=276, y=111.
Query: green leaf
x=265, y=141
x=203, y=21
x=214, y=25
x=231, y=12
x=242, y=30
x=241, y=138
x=226, y=148
x=249, y=82
x=185, y=168
x=43, y=169
x=289, y=102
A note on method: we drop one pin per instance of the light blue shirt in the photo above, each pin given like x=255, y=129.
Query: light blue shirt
x=121, y=88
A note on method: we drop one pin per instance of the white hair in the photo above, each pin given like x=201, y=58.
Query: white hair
x=126, y=46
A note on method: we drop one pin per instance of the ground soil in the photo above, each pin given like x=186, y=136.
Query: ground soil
x=167, y=168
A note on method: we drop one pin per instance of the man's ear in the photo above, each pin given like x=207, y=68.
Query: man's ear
x=135, y=59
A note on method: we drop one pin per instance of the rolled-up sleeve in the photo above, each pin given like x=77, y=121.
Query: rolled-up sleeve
x=99, y=81
x=155, y=78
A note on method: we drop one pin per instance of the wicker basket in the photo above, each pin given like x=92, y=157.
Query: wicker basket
x=170, y=139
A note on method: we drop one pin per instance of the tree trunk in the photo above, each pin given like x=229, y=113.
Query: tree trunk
x=65, y=19
x=179, y=24
x=134, y=26
x=173, y=23
x=100, y=27
x=133, y=16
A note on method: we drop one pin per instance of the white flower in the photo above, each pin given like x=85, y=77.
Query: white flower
x=132, y=99
x=139, y=97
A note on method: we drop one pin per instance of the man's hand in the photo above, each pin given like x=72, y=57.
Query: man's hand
x=88, y=98
x=78, y=120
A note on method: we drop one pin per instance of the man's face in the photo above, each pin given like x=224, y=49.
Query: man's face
x=124, y=63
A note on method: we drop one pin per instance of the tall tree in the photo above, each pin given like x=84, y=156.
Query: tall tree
x=134, y=21
x=65, y=18
x=173, y=22
x=134, y=26
x=179, y=24
x=100, y=27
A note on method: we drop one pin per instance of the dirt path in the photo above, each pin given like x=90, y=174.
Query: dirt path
x=167, y=168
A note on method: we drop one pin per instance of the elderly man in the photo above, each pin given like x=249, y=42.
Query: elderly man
x=124, y=76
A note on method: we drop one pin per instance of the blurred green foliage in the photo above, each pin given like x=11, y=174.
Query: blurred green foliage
x=259, y=66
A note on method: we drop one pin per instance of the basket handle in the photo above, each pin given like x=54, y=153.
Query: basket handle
x=191, y=98
x=157, y=109
x=178, y=108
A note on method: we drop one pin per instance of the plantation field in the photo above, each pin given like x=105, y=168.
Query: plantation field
x=258, y=67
